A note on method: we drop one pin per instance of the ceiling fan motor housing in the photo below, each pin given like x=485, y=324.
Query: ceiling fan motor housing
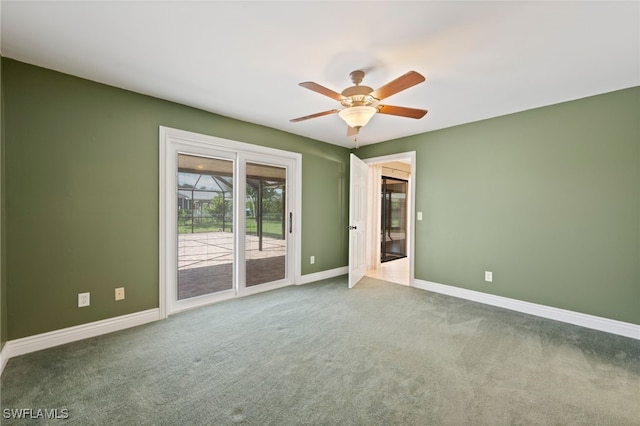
x=357, y=96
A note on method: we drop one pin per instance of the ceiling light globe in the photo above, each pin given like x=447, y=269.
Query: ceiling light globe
x=357, y=116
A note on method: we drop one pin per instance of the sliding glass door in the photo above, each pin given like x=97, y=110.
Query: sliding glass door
x=229, y=220
x=205, y=225
x=206, y=231
x=393, y=238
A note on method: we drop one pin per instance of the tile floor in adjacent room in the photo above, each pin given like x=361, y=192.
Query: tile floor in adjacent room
x=395, y=271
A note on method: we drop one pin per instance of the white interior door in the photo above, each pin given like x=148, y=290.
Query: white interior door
x=357, y=220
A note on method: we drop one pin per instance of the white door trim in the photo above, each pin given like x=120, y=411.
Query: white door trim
x=172, y=141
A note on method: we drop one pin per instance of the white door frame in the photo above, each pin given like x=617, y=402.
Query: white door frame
x=174, y=141
x=410, y=157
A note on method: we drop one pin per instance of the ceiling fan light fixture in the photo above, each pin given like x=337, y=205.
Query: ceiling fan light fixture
x=357, y=116
x=360, y=103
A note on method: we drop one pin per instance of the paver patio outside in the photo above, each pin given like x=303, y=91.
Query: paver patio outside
x=205, y=262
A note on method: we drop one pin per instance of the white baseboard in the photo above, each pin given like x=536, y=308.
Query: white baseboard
x=323, y=275
x=576, y=318
x=38, y=342
x=50, y=339
x=3, y=359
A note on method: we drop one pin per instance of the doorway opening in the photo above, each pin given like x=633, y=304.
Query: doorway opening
x=391, y=259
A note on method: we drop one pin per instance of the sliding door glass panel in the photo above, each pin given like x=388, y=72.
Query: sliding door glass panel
x=266, y=223
x=393, y=238
x=205, y=225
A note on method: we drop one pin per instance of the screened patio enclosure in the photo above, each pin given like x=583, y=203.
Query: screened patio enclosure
x=205, y=200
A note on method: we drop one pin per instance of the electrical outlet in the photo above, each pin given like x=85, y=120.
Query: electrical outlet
x=84, y=300
x=312, y=260
x=120, y=293
x=488, y=276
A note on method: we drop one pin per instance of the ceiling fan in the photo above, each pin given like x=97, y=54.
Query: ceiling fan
x=361, y=102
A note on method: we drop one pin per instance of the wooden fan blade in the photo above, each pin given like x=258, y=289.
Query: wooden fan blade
x=399, y=84
x=322, y=90
x=319, y=114
x=401, y=111
x=352, y=131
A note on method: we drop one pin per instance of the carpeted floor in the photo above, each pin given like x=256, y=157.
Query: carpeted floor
x=322, y=354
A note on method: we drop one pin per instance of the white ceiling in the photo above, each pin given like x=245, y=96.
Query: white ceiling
x=245, y=59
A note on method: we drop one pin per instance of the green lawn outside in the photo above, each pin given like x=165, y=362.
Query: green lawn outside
x=271, y=228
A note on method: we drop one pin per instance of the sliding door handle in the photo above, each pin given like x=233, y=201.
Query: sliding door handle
x=290, y=222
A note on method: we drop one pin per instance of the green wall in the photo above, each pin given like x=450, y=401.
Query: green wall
x=547, y=199
x=3, y=279
x=82, y=195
